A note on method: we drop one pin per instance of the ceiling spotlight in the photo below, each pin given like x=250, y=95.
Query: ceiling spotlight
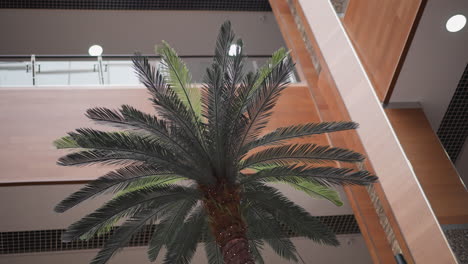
x=234, y=49
x=95, y=50
x=456, y=23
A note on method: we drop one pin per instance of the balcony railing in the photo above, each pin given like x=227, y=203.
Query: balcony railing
x=77, y=70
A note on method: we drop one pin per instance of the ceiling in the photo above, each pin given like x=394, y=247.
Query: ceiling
x=432, y=71
x=124, y=32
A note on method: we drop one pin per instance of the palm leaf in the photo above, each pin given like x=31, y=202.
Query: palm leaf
x=116, y=181
x=281, y=134
x=184, y=243
x=311, y=188
x=109, y=147
x=129, y=204
x=263, y=100
x=148, y=75
x=213, y=253
x=169, y=226
x=123, y=235
x=66, y=142
x=132, y=119
x=269, y=199
x=106, y=157
x=265, y=225
x=256, y=247
x=277, y=57
x=168, y=104
x=325, y=176
x=179, y=79
x=300, y=153
x=217, y=91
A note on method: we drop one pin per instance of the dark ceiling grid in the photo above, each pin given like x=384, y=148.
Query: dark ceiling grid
x=219, y=5
x=50, y=240
x=453, y=129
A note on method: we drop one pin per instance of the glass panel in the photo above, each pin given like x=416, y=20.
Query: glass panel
x=15, y=73
x=86, y=71
x=53, y=73
x=119, y=73
x=83, y=73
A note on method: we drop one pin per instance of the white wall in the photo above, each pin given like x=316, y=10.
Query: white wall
x=123, y=32
x=352, y=250
x=435, y=61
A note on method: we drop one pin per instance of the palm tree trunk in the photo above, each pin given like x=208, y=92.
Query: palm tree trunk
x=229, y=229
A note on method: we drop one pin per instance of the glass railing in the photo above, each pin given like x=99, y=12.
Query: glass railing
x=57, y=70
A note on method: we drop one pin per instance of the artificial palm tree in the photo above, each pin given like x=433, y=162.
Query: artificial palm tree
x=200, y=170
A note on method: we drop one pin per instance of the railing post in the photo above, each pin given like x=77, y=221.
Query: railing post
x=33, y=69
x=100, y=70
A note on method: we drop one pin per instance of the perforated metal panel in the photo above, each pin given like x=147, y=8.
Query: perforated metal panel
x=453, y=129
x=50, y=240
x=226, y=5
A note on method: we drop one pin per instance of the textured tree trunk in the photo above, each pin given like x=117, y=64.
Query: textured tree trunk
x=223, y=206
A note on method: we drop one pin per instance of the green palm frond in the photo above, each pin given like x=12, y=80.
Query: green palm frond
x=116, y=181
x=127, y=205
x=105, y=157
x=270, y=200
x=309, y=187
x=169, y=106
x=277, y=57
x=169, y=226
x=302, y=154
x=281, y=134
x=123, y=235
x=259, y=108
x=264, y=225
x=129, y=118
x=117, y=147
x=185, y=242
x=313, y=189
x=179, y=78
x=213, y=253
x=217, y=90
x=149, y=76
x=256, y=247
x=66, y=142
x=325, y=176
x=88, y=138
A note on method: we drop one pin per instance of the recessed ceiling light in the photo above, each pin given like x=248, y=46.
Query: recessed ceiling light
x=234, y=49
x=456, y=23
x=95, y=50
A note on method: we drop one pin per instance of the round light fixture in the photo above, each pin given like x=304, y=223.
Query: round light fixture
x=95, y=50
x=234, y=49
x=456, y=23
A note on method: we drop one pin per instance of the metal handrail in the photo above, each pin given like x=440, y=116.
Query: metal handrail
x=101, y=62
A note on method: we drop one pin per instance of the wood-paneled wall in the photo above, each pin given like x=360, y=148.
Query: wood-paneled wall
x=379, y=31
x=436, y=174
x=34, y=118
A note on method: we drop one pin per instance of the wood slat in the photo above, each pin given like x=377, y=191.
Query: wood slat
x=379, y=31
x=436, y=173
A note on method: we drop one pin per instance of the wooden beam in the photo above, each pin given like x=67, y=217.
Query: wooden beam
x=373, y=233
